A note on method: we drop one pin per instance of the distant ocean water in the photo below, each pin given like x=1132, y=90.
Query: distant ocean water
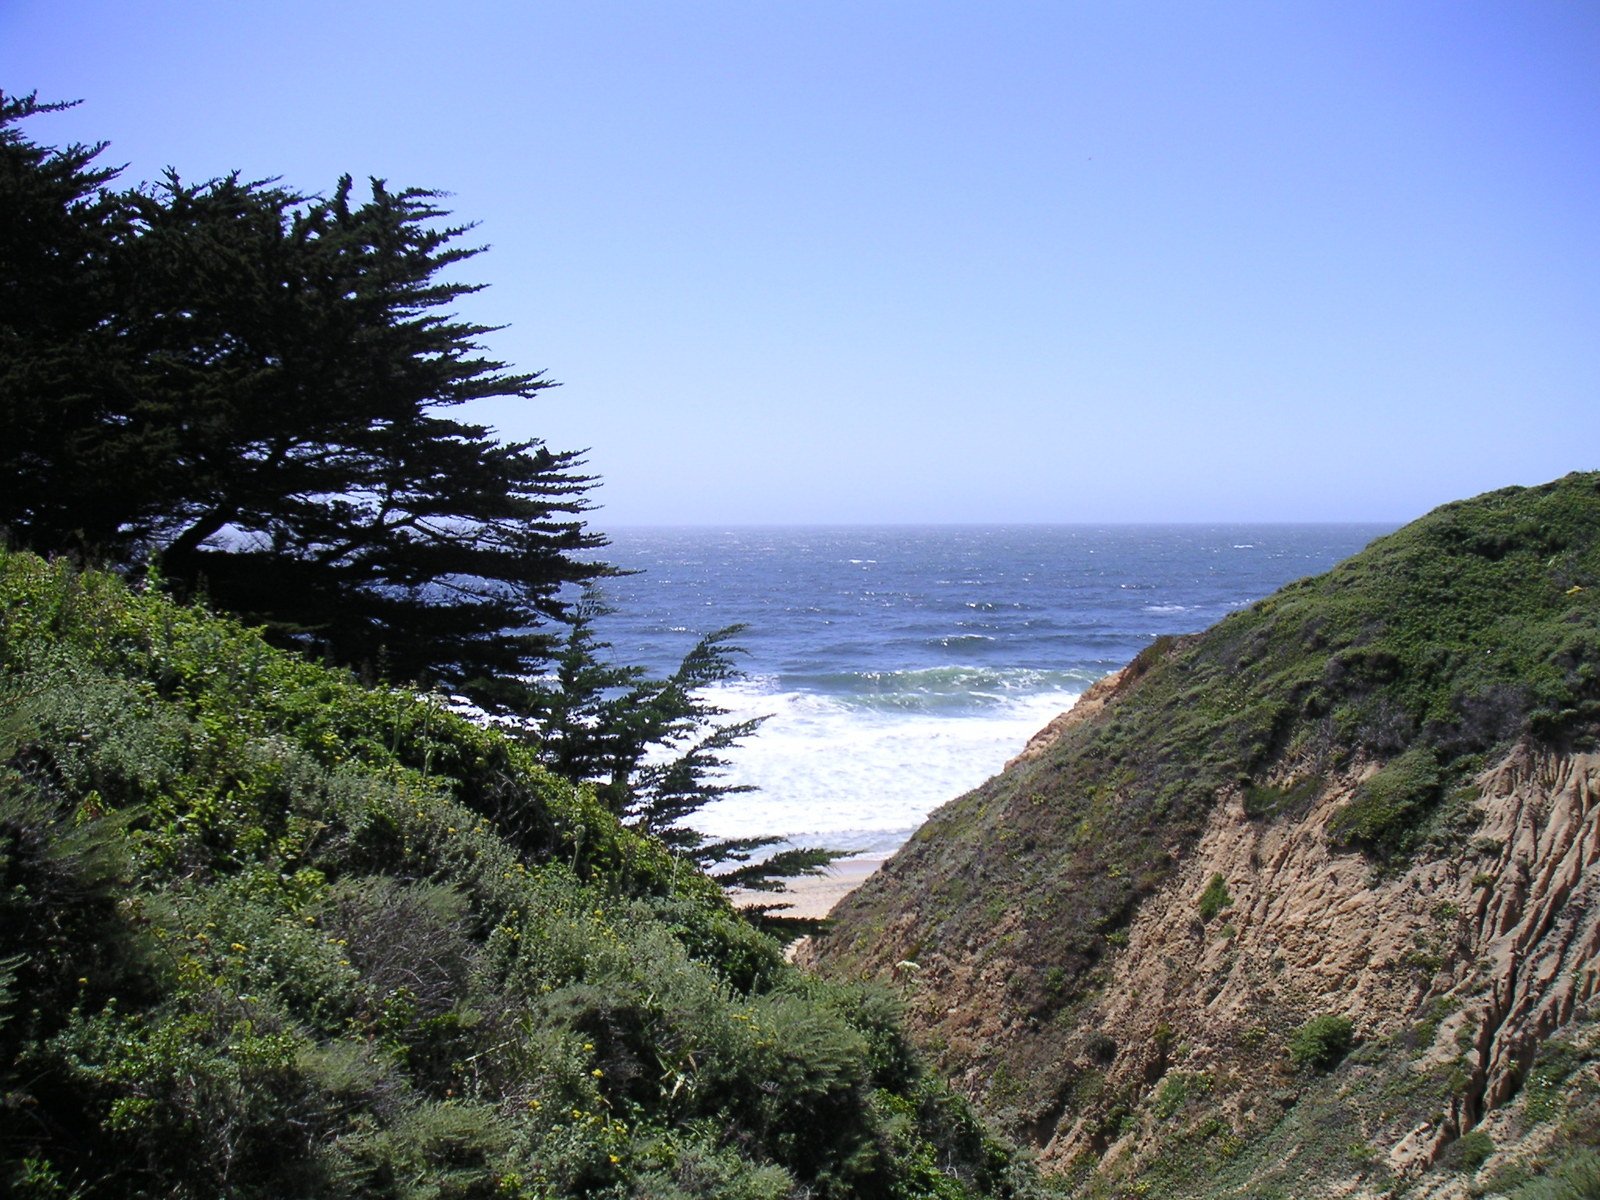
x=901, y=666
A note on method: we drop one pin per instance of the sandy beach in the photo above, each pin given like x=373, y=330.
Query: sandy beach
x=815, y=895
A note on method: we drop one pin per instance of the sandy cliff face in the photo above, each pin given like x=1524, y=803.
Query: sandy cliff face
x=1503, y=938
x=1453, y=970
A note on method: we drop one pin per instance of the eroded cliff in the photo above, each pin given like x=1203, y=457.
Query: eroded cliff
x=1305, y=905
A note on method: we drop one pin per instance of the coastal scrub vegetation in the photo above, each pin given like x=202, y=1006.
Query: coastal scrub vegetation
x=267, y=931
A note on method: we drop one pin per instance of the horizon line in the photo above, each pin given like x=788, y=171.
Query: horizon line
x=998, y=524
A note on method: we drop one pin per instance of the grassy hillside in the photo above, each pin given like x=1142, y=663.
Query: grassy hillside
x=1407, y=668
x=267, y=932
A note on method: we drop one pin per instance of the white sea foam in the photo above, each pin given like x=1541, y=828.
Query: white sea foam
x=835, y=774
x=890, y=658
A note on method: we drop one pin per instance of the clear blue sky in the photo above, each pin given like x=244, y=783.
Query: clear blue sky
x=879, y=260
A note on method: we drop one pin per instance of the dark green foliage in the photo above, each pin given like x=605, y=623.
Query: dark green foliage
x=1385, y=814
x=267, y=932
x=653, y=748
x=59, y=883
x=56, y=333
x=259, y=398
x=1321, y=1042
x=673, y=715
x=264, y=933
x=1473, y=1149
x=257, y=387
x=654, y=751
x=1215, y=898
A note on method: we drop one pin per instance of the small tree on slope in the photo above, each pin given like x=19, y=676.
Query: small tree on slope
x=655, y=750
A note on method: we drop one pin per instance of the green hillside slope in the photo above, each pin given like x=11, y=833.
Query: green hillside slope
x=267, y=932
x=1334, y=739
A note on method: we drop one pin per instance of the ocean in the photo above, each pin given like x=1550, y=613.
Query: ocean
x=899, y=666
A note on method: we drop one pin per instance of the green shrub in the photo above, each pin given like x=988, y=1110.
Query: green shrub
x=265, y=932
x=1215, y=898
x=1176, y=1090
x=1386, y=812
x=1473, y=1149
x=1321, y=1042
x=1578, y=1178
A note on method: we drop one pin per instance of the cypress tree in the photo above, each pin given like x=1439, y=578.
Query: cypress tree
x=59, y=335
x=261, y=389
